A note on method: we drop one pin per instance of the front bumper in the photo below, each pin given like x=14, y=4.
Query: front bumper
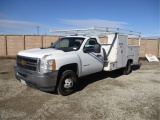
x=41, y=81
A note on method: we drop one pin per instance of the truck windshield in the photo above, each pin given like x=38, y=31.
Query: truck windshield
x=68, y=44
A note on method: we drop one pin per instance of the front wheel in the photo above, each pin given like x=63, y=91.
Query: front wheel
x=67, y=83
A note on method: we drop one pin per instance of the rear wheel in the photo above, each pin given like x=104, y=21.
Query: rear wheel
x=128, y=69
x=67, y=83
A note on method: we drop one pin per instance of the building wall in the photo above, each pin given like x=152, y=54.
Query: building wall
x=14, y=44
x=2, y=45
x=10, y=45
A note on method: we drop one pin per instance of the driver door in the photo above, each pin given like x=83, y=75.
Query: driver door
x=91, y=62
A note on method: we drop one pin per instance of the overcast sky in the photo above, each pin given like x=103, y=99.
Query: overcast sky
x=23, y=16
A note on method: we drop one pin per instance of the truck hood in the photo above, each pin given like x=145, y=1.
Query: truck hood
x=40, y=53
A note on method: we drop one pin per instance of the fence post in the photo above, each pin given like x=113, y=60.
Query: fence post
x=24, y=47
x=145, y=46
x=42, y=41
x=6, y=45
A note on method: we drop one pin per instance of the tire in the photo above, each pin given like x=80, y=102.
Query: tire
x=128, y=69
x=67, y=83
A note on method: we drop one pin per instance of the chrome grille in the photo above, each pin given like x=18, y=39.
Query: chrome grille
x=28, y=63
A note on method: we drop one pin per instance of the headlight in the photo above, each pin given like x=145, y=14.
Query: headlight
x=47, y=65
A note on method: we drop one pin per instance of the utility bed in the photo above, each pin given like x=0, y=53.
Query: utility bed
x=118, y=52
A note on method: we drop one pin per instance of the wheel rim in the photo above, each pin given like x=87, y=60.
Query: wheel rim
x=68, y=83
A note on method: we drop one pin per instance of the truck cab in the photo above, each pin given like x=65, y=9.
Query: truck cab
x=42, y=67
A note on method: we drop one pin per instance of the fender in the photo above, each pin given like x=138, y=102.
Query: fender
x=67, y=59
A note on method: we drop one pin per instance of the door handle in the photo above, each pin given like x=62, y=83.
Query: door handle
x=98, y=55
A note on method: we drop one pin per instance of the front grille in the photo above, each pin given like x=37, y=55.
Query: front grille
x=28, y=63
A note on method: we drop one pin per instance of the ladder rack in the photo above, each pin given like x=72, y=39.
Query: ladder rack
x=99, y=31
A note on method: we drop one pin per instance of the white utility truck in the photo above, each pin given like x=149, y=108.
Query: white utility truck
x=59, y=66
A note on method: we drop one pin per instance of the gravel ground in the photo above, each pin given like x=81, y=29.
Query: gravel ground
x=101, y=96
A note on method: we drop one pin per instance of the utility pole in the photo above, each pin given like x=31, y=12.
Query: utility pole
x=158, y=48
x=38, y=30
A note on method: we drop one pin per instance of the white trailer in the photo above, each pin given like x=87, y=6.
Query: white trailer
x=59, y=66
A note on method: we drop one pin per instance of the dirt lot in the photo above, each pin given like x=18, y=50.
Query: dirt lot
x=101, y=96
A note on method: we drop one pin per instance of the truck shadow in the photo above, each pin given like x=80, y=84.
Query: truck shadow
x=136, y=67
x=85, y=81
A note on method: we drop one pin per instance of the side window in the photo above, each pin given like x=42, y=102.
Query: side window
x=89, y=46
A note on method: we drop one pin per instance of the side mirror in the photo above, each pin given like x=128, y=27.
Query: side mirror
x=97, y=48
x=51, y=43
x=84, y=50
